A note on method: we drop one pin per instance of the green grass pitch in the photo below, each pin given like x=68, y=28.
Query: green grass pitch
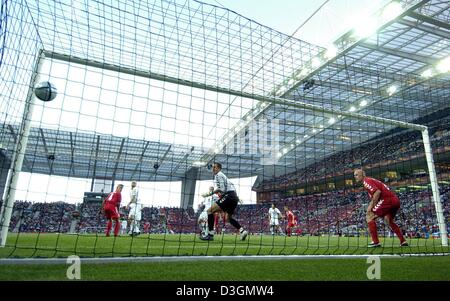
x=171, y=245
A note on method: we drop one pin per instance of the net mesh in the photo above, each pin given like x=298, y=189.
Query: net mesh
x=157, y=91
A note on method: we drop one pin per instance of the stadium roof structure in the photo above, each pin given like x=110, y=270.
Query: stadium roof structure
x=392, y=70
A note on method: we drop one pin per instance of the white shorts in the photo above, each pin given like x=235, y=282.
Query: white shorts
x=274, y=222
x=134, y=213
x=203, y=217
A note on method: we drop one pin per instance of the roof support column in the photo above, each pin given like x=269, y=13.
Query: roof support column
x=188, y=188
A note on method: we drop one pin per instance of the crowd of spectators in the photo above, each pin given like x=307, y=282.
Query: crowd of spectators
x=41, y=217
x=331, y=213
x=383, y=151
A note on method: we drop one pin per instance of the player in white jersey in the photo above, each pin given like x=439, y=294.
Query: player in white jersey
x=134, y=216
x=123, y=226
x=274, y=216
x=209, y=199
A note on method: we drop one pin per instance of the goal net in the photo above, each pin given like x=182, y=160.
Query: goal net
x=156, y=92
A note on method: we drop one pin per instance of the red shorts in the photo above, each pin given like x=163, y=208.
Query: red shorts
x=111, y=213
x=386, y=206
x=290, y=225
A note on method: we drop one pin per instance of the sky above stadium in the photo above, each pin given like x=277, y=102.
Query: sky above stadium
x=330, y=21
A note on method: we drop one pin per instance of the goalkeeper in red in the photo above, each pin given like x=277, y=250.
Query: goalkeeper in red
x=111, y=210
x=383, y=203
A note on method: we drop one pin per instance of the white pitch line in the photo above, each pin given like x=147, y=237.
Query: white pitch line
x=38, y=261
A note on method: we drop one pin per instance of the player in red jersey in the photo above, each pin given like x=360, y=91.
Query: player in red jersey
x=147, y=227
x=383, y=203
x=291, y=220
x=111, y=209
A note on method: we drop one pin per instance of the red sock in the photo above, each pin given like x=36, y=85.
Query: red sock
x=108, y=227
x=397, y=231
x=288, y=231
x=116, y=228
x=373, y=231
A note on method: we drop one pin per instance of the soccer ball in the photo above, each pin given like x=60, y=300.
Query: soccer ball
x=45, y=91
